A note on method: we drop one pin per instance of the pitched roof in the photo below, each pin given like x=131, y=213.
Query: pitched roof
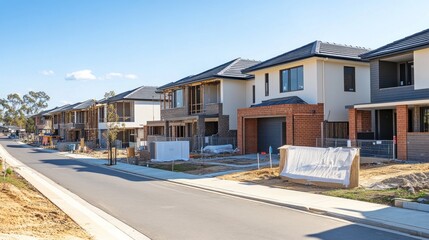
x=412, y=42
x=314, y=49
x=84, y=105
x=231, y=69
x=140, y=93
x=279, y=101
x=57, y=109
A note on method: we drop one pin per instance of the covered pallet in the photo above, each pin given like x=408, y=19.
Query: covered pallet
x=326, y=167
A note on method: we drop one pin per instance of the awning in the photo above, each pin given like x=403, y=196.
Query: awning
x=369, y=106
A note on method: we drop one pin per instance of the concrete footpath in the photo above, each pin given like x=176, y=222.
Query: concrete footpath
x=392, y=218
x=96, y=222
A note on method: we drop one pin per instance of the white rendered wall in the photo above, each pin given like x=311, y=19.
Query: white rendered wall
x=249, y=92
x=421, y=69
x=336, y=99
x=233, y=97
x=143, y=111
x=308, y=94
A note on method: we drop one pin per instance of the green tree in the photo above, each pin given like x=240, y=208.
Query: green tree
x=15, y=110
x=109, y=94
x=113, y=128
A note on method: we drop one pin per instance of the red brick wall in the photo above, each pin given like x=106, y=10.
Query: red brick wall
x=302, y=124
x=352, y=124
x=307, y=129
x=251, y=135
x=363, y=121
x=401, y=131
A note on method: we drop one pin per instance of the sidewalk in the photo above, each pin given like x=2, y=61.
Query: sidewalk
x=398, y=219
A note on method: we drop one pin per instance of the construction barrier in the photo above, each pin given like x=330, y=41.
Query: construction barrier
x=326, y=167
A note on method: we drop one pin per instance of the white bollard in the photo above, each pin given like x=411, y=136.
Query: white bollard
x=257, y=157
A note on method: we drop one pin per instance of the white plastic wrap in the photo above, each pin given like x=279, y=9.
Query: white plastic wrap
x=218, y=149
x=171, y=151
x=331, y=165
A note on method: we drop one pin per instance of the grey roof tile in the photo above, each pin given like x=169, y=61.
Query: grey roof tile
x=231, y=69
x=140, y=93
x=279, y=101
x=409, y=43
x=314, y=49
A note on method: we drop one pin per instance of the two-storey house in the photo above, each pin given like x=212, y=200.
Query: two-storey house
x=300, y=96
x=204, y=104
x=134, y=109
x=399, y=106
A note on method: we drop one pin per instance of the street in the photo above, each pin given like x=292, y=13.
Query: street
x=164, y=210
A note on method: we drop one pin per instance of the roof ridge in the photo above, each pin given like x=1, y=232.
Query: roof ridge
x=394, y=42
x=132, y=91
x=228, y=67
x=344, y=45
x=316, y=47
x=288, y=52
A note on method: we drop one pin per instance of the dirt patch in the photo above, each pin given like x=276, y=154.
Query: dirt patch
x=394, y=180
x=191, y=168
x=27, y=214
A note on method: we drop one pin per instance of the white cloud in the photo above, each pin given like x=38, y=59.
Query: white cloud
x=131, y=76
x=65, y=102
x=47, y=72
x=114, y=75
x=81, y=75
x=117, y=75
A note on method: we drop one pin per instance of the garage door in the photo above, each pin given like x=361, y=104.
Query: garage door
x=271, y=132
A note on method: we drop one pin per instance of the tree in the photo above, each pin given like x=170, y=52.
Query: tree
x=113, y=128
x=109, y=94
x=15, y=110
x=35, y=101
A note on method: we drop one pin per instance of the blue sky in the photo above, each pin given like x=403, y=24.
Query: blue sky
x=77, y=50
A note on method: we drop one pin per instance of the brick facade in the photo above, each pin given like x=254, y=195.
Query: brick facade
x=359, y=121
x=401, y=131
x=303, y=124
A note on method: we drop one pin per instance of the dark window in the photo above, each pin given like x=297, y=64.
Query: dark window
x=292, y=79
x=424, y=119
x=178, y=98
x=406, y=73
x=349, y=79
x=253, y=94
x=267, y=84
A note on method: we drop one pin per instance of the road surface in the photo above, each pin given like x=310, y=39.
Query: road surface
x=164, y=210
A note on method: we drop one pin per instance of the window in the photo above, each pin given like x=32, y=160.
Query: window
x=349, y=79
x=101, y=114
x=178, y=98
x=267, y=84
x=292, y=79
x=253, y=94
x=406, y=73
x=424, y=119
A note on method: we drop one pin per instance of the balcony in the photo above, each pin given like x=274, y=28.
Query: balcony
x=194, y=110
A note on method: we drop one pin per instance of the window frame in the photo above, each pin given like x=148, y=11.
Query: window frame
x=253, y=94
x=347, y=89
x=175, y=98
x=422, y=119
x=289, y=79
x=267, y=84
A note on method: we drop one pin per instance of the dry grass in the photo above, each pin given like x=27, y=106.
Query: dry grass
x=25, y=214
x=369, y=174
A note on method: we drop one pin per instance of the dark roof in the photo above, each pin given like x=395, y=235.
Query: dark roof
x=140, y=93
x=231, y=69
x=84, y=105
x=314, y=49
x=58, y=109
x=412, y=42
x=279, y=101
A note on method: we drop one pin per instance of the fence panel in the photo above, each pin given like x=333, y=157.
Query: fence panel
x=368, y=148
x=196, y=143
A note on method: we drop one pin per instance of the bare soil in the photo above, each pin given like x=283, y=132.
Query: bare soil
x=27, y=214
x=379, y=183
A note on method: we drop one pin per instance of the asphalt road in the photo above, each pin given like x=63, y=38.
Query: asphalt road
x=164, y=210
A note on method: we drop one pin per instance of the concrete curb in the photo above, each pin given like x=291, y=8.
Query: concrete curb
x=407, y=229
x=96, y=222
x=371, y=222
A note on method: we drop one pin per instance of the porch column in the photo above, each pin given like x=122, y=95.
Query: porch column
x=352, y=124
x=240, y=122
x=401, y=131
